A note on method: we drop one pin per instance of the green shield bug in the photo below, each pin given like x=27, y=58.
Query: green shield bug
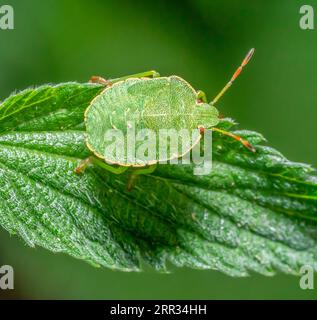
x=149, y=102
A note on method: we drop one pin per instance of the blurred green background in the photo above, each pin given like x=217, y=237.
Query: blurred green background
x=202, y=41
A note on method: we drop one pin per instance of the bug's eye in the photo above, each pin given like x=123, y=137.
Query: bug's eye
x=201, y=130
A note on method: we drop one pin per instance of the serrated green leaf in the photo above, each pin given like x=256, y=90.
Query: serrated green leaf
x=254, y=212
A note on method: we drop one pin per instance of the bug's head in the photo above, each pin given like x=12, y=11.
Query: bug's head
x=206, y=115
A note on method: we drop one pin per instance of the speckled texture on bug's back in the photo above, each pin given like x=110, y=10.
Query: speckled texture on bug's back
x=159, y=103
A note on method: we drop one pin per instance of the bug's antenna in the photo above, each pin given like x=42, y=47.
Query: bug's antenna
x=234, y=77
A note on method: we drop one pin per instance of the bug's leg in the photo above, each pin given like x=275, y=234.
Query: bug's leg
x=83, y=165
x=201, y=96
x=238, y=138
x=95, y=161
x=151, y=73
x=111, y=168
x=145, y=170
x=146, y=74
x=136, y=173
x=132, y=181
x=97, y=79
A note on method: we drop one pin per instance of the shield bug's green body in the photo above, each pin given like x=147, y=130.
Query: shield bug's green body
x=166, y=102
x=147, y=101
